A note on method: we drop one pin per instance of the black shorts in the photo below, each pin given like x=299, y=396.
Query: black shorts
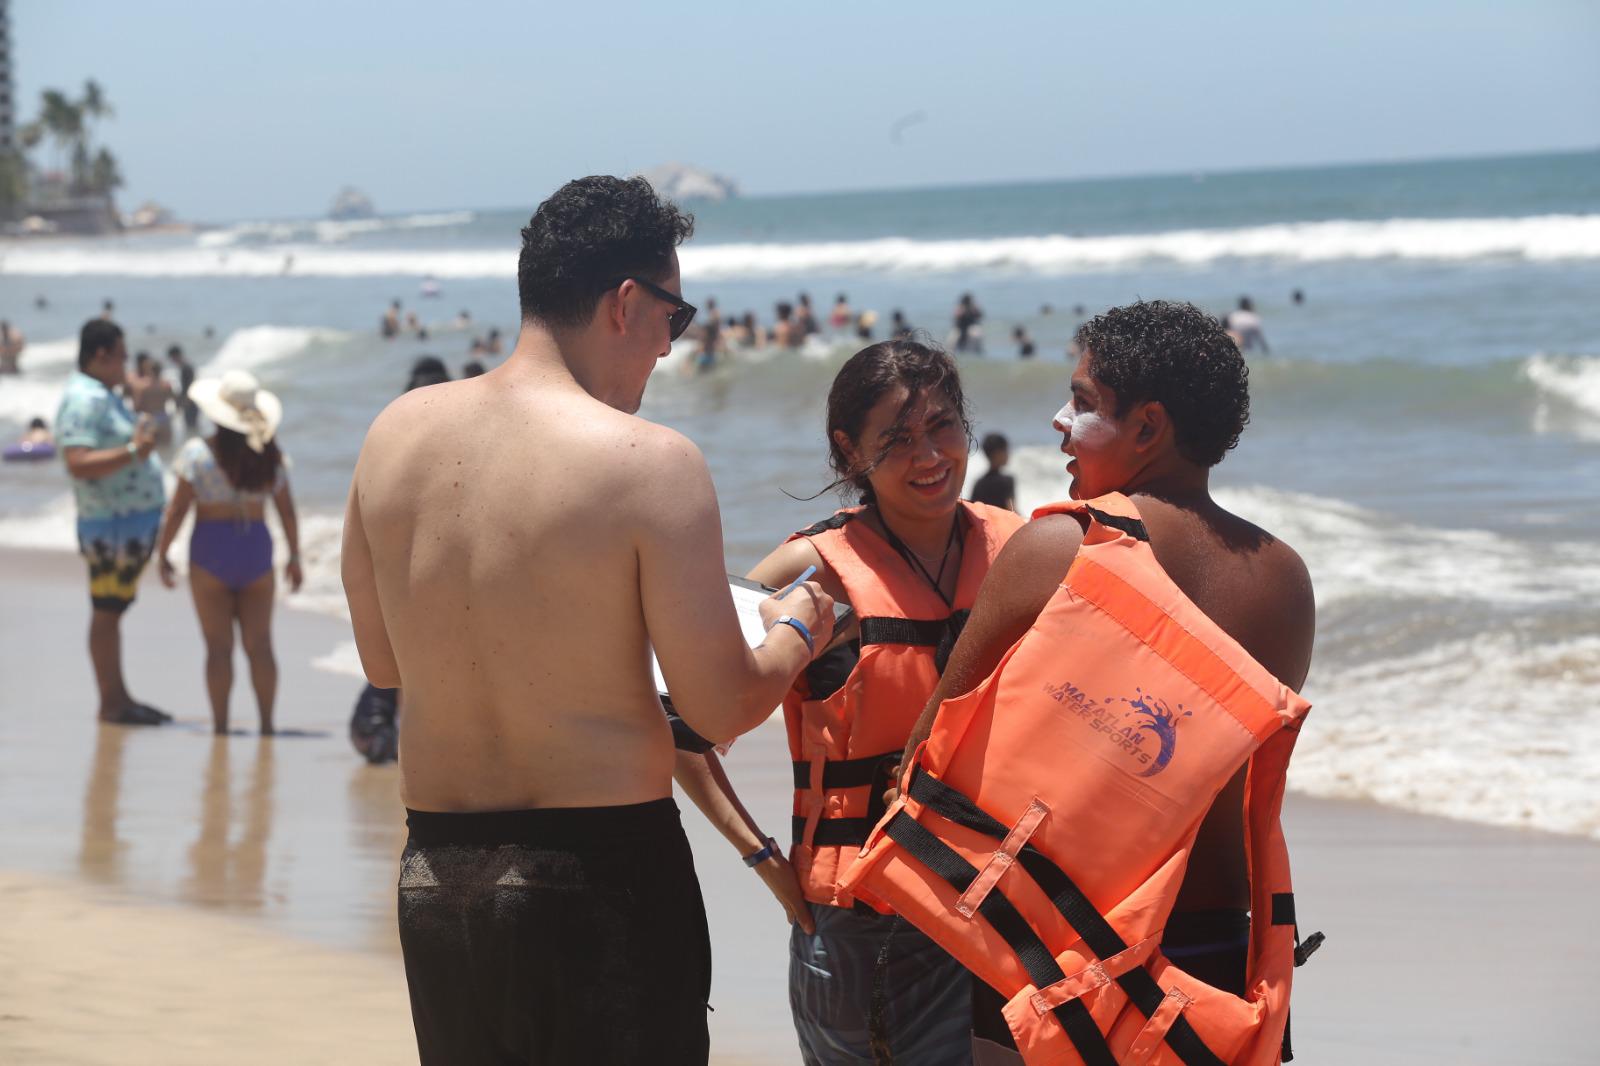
x=563, y=935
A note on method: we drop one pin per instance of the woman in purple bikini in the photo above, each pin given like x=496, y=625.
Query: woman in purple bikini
x=228, y=478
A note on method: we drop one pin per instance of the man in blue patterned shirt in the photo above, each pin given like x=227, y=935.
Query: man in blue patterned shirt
x=119, y=494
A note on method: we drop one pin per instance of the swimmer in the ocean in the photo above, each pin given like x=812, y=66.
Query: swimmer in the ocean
x=1245, y=324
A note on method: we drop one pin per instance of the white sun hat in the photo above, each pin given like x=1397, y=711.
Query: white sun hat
x=237, y=401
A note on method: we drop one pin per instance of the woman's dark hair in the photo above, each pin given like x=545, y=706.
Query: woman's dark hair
x=591, y=233
x=864, y=380
x=245, y=469
x=1176, y=354
x=427, y=370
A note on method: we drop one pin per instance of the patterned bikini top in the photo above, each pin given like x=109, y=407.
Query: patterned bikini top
x=196, y=464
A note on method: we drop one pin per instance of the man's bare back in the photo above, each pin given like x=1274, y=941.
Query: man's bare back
x=503, y=518
x=514, y=547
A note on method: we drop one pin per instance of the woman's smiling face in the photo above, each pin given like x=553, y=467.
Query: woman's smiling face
x=924, y=456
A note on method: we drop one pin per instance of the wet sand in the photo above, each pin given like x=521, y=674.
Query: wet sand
x=173, y=898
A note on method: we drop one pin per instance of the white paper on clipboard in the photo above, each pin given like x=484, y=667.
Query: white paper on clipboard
x=747, y=599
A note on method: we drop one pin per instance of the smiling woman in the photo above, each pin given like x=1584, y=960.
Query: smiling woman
x=910, y=560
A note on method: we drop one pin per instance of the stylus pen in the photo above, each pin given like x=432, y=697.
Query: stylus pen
x=790, y=587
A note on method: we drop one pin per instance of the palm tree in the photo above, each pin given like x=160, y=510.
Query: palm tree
x=94, y=102
x=63, y=121
x=103, y=173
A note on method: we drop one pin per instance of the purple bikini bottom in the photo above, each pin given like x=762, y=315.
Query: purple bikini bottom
x=235, y=553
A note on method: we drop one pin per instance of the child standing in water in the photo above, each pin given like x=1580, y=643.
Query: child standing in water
x=996, y=488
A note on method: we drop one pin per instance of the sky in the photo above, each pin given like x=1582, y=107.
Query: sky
x=239, y=111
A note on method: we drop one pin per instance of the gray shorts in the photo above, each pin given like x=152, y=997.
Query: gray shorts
x=927, y=994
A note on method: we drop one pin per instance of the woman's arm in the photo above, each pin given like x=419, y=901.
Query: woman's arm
x=284, y=501
x=704, y=781
x=177, y=511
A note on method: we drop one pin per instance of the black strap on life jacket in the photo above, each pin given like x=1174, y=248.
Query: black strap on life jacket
x=940, y=634
x=871, y=770
x=1097, y=933
x=846, y=773
x=834, y=832
x=1131, y=526
x=1012, y=927
x=829, y=671
x=831, y=522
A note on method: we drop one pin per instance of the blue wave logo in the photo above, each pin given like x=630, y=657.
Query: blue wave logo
x=1162, y=722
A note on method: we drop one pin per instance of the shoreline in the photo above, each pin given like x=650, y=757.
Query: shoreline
x=170, y=880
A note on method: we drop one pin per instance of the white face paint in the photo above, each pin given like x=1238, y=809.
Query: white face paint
x=1087, y=428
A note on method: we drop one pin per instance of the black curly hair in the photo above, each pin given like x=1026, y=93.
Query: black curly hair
x=1176, y=354
x=591, y=232
x=864, y=380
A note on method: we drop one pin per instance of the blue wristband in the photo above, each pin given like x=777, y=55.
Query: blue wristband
x=768, y=850
x=799, y=627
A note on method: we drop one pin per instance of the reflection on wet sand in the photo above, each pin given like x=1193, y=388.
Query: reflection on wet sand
x=100, y=852
x=224, y=872
x=377, y=824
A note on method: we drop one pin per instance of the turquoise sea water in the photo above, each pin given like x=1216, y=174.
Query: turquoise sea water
x=1426, y=430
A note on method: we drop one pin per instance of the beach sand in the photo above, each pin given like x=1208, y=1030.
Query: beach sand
x=170, y=898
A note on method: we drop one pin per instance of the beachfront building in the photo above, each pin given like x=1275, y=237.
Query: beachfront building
x=8, y=111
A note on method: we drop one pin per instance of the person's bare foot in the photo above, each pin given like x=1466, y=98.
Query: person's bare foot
x=136, y=714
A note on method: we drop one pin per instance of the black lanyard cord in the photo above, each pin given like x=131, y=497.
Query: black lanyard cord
x=936, y=581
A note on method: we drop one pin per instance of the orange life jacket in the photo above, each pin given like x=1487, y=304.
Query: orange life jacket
x=850, y=713
x=1046, y=823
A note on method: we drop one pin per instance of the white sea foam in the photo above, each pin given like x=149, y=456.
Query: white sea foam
x=327, y=231
x=1496, y=728
x=1540, y=237
x=1574, y=379
x=36, y=392
x=321, y=535
x=1356, y=554
x=1493, y=727
x=342, y=659
x=52, y=527
x=254, y=347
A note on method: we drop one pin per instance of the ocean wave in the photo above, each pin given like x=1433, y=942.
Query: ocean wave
x=254, y=347
x=1359, y=555
x=327, y=231
x=1573, y=379
x=1535, y=238
x=1487, y=726
x=1492, y=728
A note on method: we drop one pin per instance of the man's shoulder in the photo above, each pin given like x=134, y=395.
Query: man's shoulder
x=1277, y=570
x=84, y=390
x=84, y=402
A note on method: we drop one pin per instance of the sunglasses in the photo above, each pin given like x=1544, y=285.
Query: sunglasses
x=682, y=310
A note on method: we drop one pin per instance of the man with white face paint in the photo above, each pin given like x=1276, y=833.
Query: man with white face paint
x=1159, y=396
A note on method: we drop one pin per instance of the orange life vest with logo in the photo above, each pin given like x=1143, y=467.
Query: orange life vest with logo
x=850, y=713
x=1045, y=826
